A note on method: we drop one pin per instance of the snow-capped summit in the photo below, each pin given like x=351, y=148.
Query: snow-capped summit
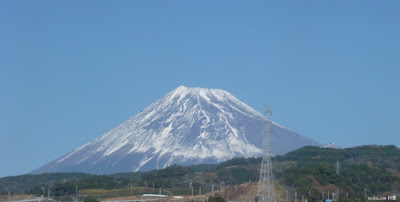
x=186, y=126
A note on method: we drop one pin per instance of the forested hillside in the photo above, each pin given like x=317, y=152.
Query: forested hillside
x=306, y=170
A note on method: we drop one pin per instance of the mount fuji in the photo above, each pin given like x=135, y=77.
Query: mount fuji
x=187, y=126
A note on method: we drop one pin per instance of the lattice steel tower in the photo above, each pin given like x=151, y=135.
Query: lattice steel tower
x=266, y=190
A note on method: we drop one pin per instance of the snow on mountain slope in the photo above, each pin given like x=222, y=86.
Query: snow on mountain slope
x=187, y=126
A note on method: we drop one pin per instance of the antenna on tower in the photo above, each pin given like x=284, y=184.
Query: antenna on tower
x=222, y=185
x=266, y=190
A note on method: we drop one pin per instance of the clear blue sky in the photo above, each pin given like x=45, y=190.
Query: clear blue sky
x=72, y=70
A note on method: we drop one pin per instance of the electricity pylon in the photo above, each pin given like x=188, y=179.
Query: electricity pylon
x=266, y=190
x=337, y=165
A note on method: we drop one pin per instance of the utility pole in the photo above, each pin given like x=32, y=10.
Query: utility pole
x=365, y=193
x=302, y=198
x=212, y=188
x=8, y=196
x=200, y=190
x=192, y=191
x=337, y=193
x=266, y=189
x=295, y=196
x=160, y=190
x=43, y=189
x=287, y=195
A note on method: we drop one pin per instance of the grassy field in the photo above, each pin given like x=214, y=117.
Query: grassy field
x=107, y=193
x=64, y=198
